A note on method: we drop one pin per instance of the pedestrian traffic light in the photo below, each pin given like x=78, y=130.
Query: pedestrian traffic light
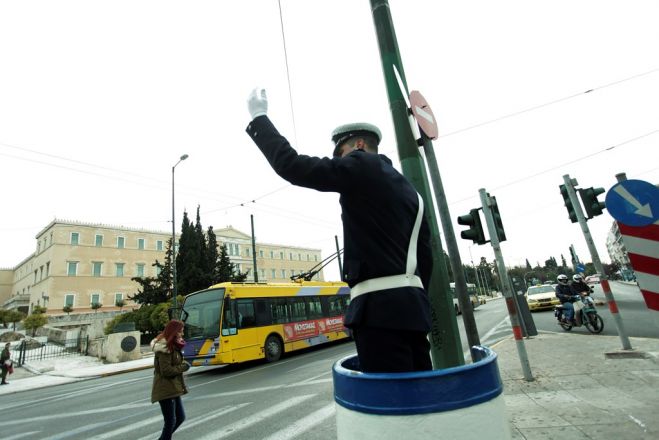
x=496, y=216
x=475, y=231
x=568, y=204
x=592, y=206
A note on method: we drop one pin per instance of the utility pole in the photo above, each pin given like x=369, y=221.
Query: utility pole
x=256, y=273
x=338, y=257
x=507, y=287
x=613, y=307
x=446, y=348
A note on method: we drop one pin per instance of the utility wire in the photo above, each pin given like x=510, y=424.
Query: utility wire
x=288, y=75
x=531, y=176
x=546, y=104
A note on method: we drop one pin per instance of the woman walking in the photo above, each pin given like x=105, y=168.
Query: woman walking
x=168, y=383
x=5, y=363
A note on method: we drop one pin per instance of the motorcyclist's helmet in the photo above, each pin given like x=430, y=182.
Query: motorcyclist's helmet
x=577, y=278
x=562, y=279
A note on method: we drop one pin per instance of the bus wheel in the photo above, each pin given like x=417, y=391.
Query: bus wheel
x=272, y=348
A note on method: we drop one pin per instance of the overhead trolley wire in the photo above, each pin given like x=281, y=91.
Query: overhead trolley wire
x=288, y=75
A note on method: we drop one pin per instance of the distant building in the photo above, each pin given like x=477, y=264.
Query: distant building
x=618, y=252
x=79, y=264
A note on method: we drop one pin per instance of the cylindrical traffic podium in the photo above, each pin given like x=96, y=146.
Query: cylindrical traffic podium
x=464, y=402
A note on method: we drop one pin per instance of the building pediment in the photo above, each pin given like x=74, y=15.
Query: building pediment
x=231, y=232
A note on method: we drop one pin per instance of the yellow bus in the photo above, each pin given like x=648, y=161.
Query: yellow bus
x=237, y=322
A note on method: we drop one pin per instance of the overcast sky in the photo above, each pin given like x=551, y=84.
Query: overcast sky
x=99, y=99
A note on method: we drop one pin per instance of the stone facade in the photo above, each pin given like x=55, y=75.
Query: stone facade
x=79, y=264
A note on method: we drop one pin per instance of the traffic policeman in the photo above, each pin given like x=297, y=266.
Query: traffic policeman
x=387, y=253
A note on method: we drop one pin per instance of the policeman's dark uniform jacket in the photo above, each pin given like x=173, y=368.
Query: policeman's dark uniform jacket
x=379, y=211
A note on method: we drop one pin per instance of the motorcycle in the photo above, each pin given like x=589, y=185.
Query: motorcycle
x=585, y=314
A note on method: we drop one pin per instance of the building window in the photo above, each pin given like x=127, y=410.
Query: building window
x=283, y=273
x=159, y=245
x=299, y=257
x=35, y=277
x=308, y=258
x=139, y=269
x=261, y=253
x=98, y=241
x=96, y=268
x=41, y=273
x=281, y=255
x=158, y=270
x=120, y=269
x=290, y=256
x=69, y=299
x=315, y=257
x=247, y=252
x=273, y=274
x=272, y=254
x=75, y=238
x=121, y=241
x=140, y=244
x=262, y=274
x=95, y=298
x=118, y=297
x=47, y=269
x=72, y=268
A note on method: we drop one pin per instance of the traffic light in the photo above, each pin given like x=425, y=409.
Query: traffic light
x=568, y=204
x=592, y=206
x=498, y=225
x=475, y=231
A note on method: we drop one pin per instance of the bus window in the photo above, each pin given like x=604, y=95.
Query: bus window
x=338, y=305
x=229, y=326
x=203, y=314
x=279, y=308
x=314, y=310
x=262, y=306
x=246, y=316
x=298, y=311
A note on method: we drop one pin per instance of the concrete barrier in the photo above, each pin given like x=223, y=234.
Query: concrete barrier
x=464, y=402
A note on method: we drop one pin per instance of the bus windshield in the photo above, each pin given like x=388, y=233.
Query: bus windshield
x=203, y=314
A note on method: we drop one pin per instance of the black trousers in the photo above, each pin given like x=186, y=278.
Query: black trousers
x=174, y=415
x=383, y=350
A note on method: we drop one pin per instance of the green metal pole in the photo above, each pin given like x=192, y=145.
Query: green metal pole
x=446, y=348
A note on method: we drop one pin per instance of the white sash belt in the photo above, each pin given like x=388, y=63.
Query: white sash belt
x=383, y=283
x=408, y=279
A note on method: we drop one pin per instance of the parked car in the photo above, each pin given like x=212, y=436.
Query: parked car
x=541, y=297
x=593, y=279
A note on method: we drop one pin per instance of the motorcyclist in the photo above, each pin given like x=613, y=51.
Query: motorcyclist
x=580, y=287
x=566, y=295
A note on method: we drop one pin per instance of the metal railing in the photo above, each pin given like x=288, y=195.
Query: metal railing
x=35, y=351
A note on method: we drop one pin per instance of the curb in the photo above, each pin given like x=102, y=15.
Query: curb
x=128, y=370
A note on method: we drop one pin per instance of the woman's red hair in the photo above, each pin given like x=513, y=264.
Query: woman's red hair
x=170, y=333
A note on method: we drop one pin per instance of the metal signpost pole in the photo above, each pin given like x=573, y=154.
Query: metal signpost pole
x=446, y=348
x=506, y=286
x=256, y=273
x=613, y=307
x=174, y=287
x=454, y=254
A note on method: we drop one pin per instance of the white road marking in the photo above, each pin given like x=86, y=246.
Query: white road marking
x=304, y=424
x=21, y=435
x=255, y=418
x=201, y=419
x=638, y=422
x=75, y=414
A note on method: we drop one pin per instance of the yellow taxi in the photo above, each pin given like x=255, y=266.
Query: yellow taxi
x=541, y=297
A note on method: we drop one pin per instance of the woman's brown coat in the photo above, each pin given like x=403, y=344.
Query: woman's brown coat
x=168, y=368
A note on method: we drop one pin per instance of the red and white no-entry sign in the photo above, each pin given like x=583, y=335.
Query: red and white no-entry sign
x=642, y=244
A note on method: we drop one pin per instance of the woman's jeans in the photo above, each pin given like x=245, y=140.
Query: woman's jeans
x=174, y=415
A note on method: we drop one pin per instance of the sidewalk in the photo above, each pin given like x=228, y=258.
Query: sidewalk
x=65, y=370
x=585, y=387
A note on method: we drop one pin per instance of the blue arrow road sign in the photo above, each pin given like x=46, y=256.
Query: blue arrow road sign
x=581, y=268
x=633, y=202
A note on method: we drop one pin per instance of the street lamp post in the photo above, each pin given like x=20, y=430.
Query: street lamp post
x=174, y=290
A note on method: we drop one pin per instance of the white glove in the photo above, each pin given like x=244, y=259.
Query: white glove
x=257, y=103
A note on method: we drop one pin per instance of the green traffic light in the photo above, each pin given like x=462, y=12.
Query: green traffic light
x=475, y=232
x=568, y=204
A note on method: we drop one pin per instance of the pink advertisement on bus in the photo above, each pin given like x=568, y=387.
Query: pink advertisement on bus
x=309, y=329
